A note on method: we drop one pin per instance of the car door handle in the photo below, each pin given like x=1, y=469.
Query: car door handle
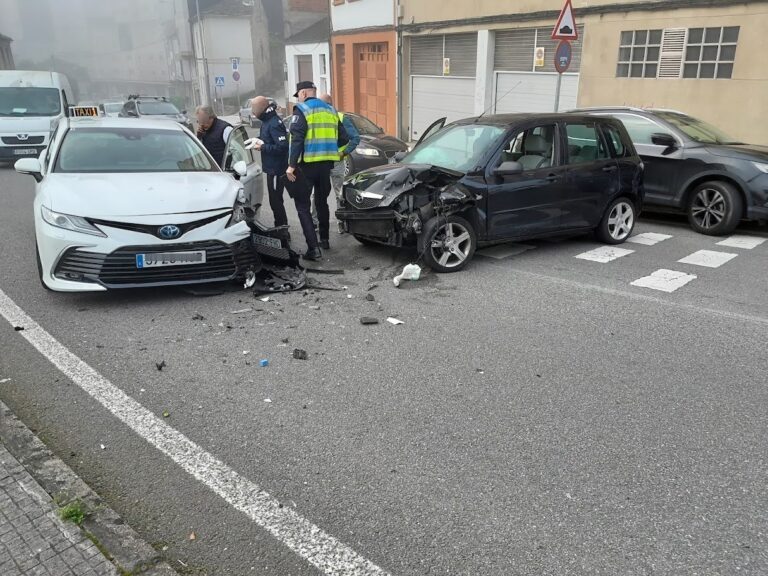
x=609, y=169
x=552, y=178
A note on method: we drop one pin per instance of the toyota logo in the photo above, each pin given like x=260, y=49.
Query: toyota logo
x=169, y=232
x=22, y=137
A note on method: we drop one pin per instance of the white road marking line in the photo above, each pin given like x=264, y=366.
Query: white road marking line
x=648, y=238
x=503, y=251
x=664, y=280
x=708, y=258
x=742, y=241
x=322, y=550
x=604, y=254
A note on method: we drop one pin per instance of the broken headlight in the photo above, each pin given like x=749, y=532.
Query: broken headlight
x=69, y=222
x=239, y=210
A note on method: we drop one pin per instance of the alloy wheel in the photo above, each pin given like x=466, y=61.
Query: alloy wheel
x=708, y=208
x=451, y=245
x=620, y=221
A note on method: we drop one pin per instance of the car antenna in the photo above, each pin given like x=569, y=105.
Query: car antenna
x=493, y=105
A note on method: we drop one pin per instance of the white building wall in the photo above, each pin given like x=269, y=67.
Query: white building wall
x=225, y=38
x=319, y=52
x=363, y=14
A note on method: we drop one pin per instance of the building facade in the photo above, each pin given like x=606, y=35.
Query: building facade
x=307, y=57
x=365, y=56
x=6, y=56
x=701, y=57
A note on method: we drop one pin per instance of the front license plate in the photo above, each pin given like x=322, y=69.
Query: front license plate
x=267, y=241
x=170, y=259
x=24, y=151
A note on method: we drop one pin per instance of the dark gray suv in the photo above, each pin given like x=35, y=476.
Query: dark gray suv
x=693, y=167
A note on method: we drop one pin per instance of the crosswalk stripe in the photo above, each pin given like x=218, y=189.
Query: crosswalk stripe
x=664, y=280
x=604, y=254
x=648, y=238
x=742, y=241
x=708, y=258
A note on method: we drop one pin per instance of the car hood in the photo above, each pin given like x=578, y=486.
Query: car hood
x=384, y=142
x=391, y=180
x=15, y=125
x=746, y=151
x=129, y=195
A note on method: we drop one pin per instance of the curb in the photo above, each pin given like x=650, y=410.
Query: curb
x=116, y=540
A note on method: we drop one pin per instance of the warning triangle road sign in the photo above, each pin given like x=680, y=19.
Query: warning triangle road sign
x=565, y=29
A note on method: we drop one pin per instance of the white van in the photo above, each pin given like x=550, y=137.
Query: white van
x=31, y=103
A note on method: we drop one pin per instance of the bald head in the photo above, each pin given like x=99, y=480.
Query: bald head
x=326, y=98
x=259, y=105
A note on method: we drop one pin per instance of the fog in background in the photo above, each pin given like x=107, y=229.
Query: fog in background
x=112, y=48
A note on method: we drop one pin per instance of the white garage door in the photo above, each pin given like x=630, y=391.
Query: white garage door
x=433, y=98
x=534, y=92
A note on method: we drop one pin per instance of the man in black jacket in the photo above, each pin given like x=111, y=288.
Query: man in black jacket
x=273, y=144
x=213, y=132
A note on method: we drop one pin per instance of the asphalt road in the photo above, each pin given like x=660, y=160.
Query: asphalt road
x=536, y=414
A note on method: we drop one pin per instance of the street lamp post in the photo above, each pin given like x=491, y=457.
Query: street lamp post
x=202, y=49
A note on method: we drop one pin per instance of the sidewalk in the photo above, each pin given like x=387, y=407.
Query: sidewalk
x=33, y=539
x=36, y=541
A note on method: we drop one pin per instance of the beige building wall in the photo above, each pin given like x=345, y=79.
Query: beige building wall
x=737, y=105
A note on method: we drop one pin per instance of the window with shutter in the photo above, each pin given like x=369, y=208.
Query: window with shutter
x=672, y=50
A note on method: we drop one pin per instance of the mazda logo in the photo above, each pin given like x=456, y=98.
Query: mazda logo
x=169, y=232
x=22, y=137
x=358, y=198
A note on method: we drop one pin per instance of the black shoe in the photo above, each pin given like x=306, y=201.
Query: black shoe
x=325, y=245
x=313, y=254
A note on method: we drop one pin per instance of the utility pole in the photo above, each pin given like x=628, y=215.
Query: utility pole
x=201, y=31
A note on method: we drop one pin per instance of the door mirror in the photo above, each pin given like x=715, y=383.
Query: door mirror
x=398, y=157
x=31, y=167
x=508, y=169
x=662, y=139
x=184, y=111
x=240, y=168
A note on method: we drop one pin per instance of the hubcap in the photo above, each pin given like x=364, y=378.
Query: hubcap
x=708, y=208
x=451, y=245
x=621, y=220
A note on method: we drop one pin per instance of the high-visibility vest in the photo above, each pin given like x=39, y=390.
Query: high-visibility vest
x=341, y=150
x=322, y=141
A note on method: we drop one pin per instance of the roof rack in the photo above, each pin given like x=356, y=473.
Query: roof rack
x=594, y=108
x=140, y=97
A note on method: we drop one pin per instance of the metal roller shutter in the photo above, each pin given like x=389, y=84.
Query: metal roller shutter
x=427, y=53
x=515, y=50
x=534, y=92
x=462, y=50
x=456, y=101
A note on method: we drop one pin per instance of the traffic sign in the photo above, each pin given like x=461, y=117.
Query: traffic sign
x=235, y=64
x=236, y=76
x=565, y=29
x=219, y=81
x=563, y=56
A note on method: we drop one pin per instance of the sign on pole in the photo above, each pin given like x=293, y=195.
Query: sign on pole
x=219, y=81
x=236, y=76
x=563, y=56
x=565, y=29
x=235, y=64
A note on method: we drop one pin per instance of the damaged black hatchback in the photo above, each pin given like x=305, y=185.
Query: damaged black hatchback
x=499, y=178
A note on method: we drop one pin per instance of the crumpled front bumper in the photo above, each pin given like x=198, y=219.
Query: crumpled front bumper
x=379, y=225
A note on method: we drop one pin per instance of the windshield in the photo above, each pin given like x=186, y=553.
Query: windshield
x=696, y=129
x=457, y=147
x=108, y=150
x=154, y=108
x=113, y=107
x=29, y=102
x=365, y=126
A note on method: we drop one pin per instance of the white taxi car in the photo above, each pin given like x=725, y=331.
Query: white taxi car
x=123, y=203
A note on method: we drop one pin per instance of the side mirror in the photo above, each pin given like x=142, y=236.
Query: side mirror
x=398, y=157
x=240, y=168
x=31, y=167
x=508, y=169
x=662, y=139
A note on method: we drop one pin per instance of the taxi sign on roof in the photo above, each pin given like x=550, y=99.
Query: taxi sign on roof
x=84, y=111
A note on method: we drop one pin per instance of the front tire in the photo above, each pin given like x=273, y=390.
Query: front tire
x=448, y=243
x=618, y=222
x=715, y=208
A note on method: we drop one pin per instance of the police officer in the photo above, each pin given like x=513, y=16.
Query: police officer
x=213, y=132
x=274, y=153
x=316, y=134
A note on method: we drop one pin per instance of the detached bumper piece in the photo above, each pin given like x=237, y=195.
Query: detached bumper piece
x=118, y=269
x=279, y=269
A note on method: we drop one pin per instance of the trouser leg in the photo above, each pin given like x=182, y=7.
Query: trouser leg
x=303, y=202
x=319, y=174
x=275, y=188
